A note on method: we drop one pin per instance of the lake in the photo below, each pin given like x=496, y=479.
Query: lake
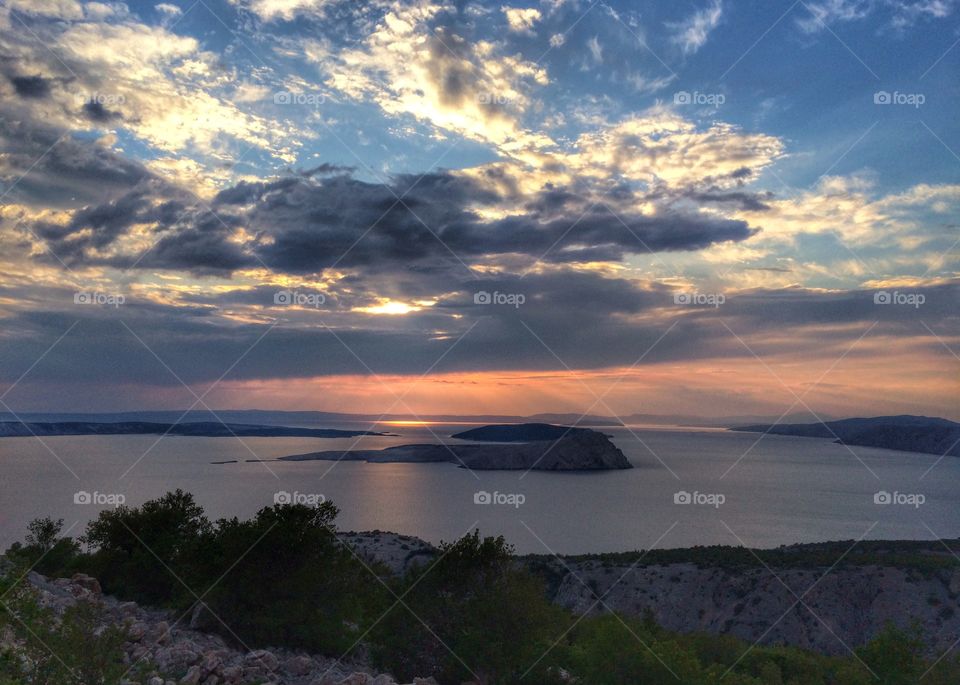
x=784, y=490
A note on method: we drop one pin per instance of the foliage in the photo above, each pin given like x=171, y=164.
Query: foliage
x=472, y=614
x=41, y=648
x=477, y=612
x=44, y=548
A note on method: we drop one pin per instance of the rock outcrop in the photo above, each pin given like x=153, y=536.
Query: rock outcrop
x=175, y=654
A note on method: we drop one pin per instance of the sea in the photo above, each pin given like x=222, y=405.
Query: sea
x=688, y=487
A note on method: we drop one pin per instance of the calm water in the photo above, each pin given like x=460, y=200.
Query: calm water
x=784, y=490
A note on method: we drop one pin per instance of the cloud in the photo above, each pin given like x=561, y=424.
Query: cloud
x=596, y=51
x=901, y=14
x=168, y=9
x=692, y=33
x=272, y=10
x=31, y=86
x=522, y=19
x=416, y=62
x=822, y=14
x=115, y=73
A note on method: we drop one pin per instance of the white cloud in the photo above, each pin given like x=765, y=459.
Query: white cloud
x=436, y=76
x=596, y=51
x=822, y=14
x=168, y=9
x=692, y=33
x=124, y=75
x=59, y=9
x=522, y=20
x=271, y=10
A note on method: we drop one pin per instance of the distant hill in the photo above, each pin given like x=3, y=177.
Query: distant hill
x=13, y=429
x=519, y=432
x=905, y=433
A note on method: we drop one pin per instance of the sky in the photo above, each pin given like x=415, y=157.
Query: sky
x=713, y=207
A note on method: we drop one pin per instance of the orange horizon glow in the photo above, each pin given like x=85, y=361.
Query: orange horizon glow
x=870, y=384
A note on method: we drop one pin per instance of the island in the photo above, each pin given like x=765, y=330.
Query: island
x=205, y=429
x=905, y=433
x=578, y=449
x=519, y=432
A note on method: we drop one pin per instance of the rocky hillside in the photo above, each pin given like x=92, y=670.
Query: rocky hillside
x=849, y=605
x=905, y=433
x=176, y=654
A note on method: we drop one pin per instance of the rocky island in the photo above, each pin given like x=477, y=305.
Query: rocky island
x=574, y=449
x=905, y=433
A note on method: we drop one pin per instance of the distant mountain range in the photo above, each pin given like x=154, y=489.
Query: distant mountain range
x=271, y=417
x=17, y=429
x=905, y=433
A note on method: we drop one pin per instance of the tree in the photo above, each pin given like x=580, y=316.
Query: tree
x=473, y=614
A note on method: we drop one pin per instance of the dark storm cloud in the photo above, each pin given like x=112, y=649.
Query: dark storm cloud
x=310, y=221
x=587, y=320
x=31, y=86
x=53, y=169
x=95, y=111
x=344, y=221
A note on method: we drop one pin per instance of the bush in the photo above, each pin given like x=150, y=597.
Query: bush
x=473, y=614
x=149, y=553
x=43, y=549
x=290, y=580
